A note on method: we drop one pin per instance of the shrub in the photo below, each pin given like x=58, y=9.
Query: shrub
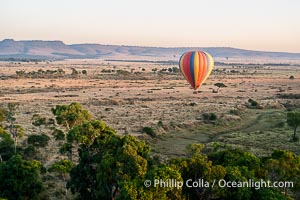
x=212, y=117
x=192, y=104
x=252, y=102
x=150, y=131
x=234, y=112
x=84, y=72
x=160, y=123
x=289, y=96
x=38, y=140
x=30, y=152
x=209, y=116
x=74, y=72
x=58, y=134
x=205, y=116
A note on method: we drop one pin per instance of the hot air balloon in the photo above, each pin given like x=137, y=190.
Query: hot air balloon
x=196, y=66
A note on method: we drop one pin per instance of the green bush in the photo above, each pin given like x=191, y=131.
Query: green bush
x=213, y=117
x=84, y=72
x=30, y=152
x=160, y=123
x=192, y=104
x=209, y=116
x=252, y=102
x=150, y=131
x=58, y=134
x=38, y=140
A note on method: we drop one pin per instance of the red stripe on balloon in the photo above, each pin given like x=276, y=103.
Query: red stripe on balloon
x=186, y=67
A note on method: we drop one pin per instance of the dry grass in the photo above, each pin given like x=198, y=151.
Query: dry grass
x=132, y=101
x=128, y=102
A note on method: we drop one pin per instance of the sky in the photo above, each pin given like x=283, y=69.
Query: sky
x=271, y=25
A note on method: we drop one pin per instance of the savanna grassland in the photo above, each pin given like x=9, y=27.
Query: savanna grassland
x=130, y=96
x=152, y=101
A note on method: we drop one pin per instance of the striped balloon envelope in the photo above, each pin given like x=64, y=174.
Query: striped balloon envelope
x=196, y=66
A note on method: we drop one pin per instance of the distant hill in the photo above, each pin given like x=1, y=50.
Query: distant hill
x=56, y=50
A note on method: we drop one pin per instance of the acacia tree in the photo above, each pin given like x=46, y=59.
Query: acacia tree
x=70, y=115
x=293, y=120
x=220, y=85
x=74, y=72
x=16, y=131
x=10, y=113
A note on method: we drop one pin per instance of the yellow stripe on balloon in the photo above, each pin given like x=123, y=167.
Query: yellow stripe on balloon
x=211, y=66
x=201, y=68
x=196, y=68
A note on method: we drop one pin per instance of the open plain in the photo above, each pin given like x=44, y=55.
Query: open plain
x=131, y=95
x=152, y=101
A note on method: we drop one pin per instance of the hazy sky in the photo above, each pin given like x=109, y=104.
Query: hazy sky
x=253, y=24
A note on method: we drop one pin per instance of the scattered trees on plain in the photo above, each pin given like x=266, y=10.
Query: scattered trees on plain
x=41, y=73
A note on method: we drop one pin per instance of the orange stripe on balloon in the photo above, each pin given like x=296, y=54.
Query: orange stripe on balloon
x=201, y=68
x=205, y=65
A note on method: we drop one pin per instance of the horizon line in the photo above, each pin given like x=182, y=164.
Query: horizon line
x=147, y=46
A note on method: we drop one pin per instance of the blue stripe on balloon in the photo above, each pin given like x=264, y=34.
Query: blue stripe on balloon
x=192, y=67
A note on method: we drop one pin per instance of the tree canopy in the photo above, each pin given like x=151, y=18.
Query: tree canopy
x=71, y=115
x=112, y=166
x=19, y=179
